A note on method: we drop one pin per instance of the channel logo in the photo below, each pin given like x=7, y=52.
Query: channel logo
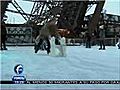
x=18, y=69
x=19, y=78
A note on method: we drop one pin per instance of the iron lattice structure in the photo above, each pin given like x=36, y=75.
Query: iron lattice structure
x=69, y=14
x=4, y=5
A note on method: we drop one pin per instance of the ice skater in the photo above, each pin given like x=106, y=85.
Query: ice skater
x=49, y=29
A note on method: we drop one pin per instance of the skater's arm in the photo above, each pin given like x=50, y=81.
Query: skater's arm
x=37, y=39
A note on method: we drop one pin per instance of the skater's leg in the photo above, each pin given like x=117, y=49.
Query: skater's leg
x=37, y=47
x=100, y=44
x=48, y=43
x=86, y=44
x=61, y=50
x=103, y=43
x=4, y=45
x=64, y=50
x=89, y=44
x=1, y=44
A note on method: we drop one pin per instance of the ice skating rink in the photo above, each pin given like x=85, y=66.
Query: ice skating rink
x=79, y=64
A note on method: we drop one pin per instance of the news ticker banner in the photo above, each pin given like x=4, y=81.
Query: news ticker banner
x=62, y=82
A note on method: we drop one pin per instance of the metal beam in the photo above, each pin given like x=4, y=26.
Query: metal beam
x=4, y=5
x=19, y=13
x=20, y=10
x=92, y=25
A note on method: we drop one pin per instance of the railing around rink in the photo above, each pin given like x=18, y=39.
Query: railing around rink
x=19, y=35
x=94, y=41
x=19, y=42
x=69, y=42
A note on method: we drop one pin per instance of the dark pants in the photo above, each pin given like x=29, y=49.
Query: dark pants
x=88, y=44
x=102, y=44
x=3, y=45
x=39, y=46
x=48, y=46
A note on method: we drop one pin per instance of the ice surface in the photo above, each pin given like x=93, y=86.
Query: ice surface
x=79, y=64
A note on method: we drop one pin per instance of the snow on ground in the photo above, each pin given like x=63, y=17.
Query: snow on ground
x=79, y=64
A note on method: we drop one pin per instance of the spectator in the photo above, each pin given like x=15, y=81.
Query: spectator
x=88, y=40
x=3, y=36
x=102, y=37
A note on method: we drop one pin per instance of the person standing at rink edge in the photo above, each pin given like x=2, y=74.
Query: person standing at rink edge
x=102, y=37
x=88, y=40
x=3, y=36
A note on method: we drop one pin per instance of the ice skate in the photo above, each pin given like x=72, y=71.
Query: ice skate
x=100, y=48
